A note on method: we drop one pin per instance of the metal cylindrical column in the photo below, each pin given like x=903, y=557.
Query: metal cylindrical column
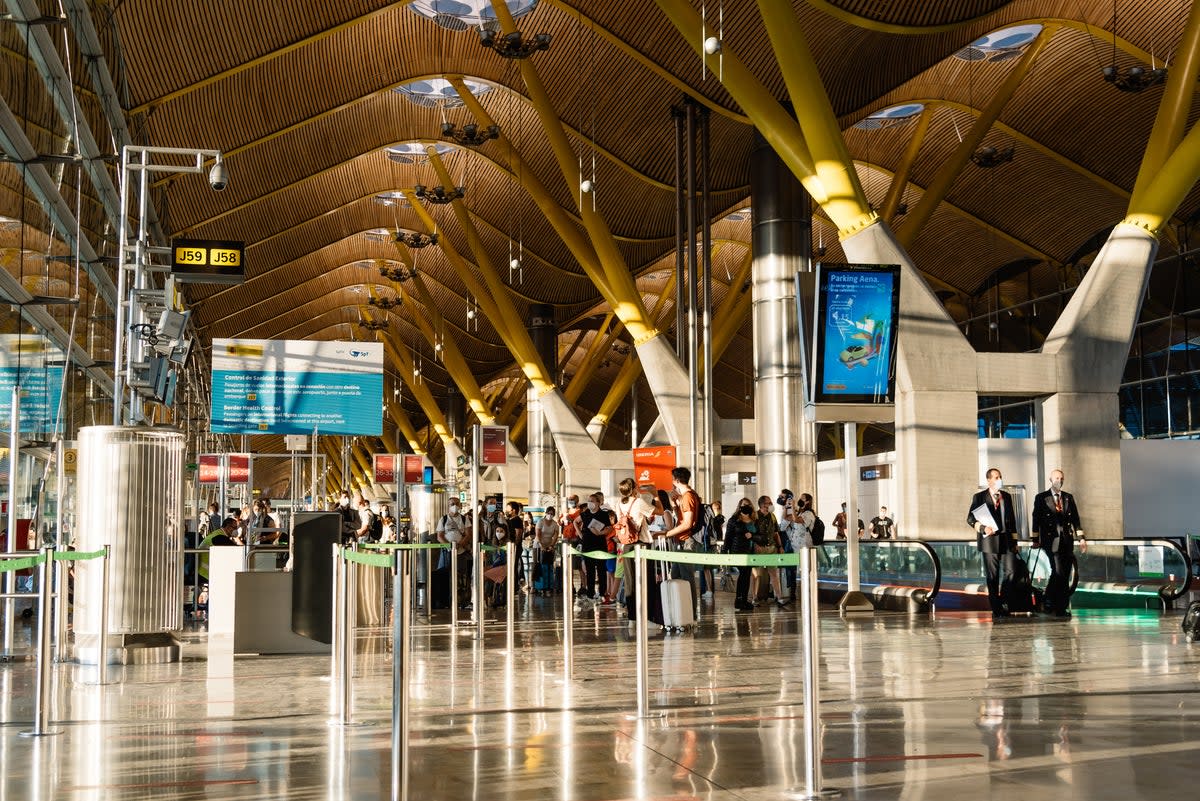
x=335, y=650
x=453, y=584
x=102, y=635
x=541, y=454
x=643, y=660
x=852, y=512
x=781, y=242
x=510, y=580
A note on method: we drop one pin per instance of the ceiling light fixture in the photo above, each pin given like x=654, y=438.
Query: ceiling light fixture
x=1134, y=79
x=439, y=195
x=988, y=157
x=415, y=239
x=373, y=325
x=386, y=303
x=470, y=135
x=513, y=45
x=398, y=273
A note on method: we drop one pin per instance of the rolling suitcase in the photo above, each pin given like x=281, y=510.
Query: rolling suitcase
x=441, y=588
x=1017, y=592
x=1191, y=622
x=543, y=579
x=678, y=611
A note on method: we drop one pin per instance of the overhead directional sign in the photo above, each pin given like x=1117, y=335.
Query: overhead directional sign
x=266, y=386
x=207, y=261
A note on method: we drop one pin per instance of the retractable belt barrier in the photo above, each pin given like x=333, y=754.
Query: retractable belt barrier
x=45, y=561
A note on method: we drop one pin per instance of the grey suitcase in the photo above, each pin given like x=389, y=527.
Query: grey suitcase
x=677, y=609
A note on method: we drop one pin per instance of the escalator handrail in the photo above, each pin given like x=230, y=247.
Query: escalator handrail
x=918, y=544
x=1126, y=542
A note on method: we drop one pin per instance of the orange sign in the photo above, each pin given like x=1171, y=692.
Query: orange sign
x=654, y=465
x=239, y=468
x=210, y=468
x=385, y=468
x=412, y=468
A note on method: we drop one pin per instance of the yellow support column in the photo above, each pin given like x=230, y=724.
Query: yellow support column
x=937, y=190
x=1171, y=120
x=845, y=199
x=895, y=192
x=407, y=429
x=775, y=124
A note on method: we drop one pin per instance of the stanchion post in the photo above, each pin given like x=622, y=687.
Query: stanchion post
x=643, y=679
x=349, y=608
x=454, y=585
x=102, y=635
x=568, y=612
x=335, y=648
x=429, y=584
x=807, y=559
x=401, y=633
x=61, y=587
x=510, y=580
x=41, y=688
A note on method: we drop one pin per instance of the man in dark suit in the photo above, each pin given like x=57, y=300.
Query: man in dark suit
x=1055, y=526
x=996, y=543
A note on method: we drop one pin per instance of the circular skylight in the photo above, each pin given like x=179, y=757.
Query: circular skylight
x=458, y=15
x=378, y=234
x=371, y=264
x=1000, y=45
x=738, y=216
x=395, y=198
x=889, y=117
x=438, y=92
x=414, y=152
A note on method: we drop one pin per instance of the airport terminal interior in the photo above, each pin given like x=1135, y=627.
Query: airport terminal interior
x=285, y=287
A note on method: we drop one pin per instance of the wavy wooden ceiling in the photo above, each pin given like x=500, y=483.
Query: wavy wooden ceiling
x=300, y=98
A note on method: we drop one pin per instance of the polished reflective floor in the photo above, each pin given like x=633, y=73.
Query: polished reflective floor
x=1104, y=706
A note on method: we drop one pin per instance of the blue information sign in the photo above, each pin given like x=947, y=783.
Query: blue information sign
x=855, y=337
x=41, y=388
x=263, y=386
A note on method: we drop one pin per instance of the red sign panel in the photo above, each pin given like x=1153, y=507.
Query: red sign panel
x=239, y=468
x=385, y=468
x=210, y=468
x=413, y=462
x=495, y=445
x=654, y=465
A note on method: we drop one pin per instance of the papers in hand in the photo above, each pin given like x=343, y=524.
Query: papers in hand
x=983, y=516
x=596, y=526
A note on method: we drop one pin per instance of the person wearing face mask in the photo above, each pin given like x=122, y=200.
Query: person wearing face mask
x=1055, y=526
x=595, y=524
x=546, y=533
x=739, y=539
x=991, y=515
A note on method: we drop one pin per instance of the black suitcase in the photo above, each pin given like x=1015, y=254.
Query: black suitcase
x=1191, y=622
x=1017, y=593
x=441, y=588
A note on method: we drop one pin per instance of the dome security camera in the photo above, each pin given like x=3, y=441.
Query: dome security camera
x=218, y=176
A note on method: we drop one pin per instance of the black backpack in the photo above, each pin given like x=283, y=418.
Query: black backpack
x=817, y=532
x=375, y=529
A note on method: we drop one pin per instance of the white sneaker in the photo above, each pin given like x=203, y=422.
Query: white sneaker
x=707, y=596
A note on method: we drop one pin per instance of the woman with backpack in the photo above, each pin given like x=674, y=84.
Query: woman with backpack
x=739, y=539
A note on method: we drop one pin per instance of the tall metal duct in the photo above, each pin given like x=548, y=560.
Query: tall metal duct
x=130, y=482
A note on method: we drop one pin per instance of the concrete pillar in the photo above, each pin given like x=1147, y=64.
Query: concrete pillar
x=1081, y=437
x=540, y=454
x=781, y=240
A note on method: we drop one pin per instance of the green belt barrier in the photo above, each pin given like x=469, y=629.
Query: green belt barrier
x=405, y=546
x=491, y=549
x=696, y=558
x=735, y=559
x=77, y=556
x=596, y=554
x=7, y=565
x=368, y=559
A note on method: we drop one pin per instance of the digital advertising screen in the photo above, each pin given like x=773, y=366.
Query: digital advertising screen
x=263, y=386
x=854, y=342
